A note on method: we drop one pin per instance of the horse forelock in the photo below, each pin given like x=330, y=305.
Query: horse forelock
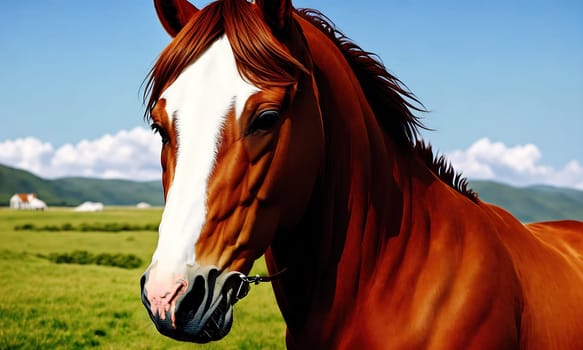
x=260, y=58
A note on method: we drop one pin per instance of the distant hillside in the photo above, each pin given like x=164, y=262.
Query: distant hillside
x=533, y=203
x=73, y=191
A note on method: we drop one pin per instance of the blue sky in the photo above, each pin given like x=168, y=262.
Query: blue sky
x=503, y=79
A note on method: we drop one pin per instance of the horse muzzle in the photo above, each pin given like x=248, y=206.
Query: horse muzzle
x=197, y=309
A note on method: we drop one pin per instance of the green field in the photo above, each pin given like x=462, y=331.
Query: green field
x=45, y=305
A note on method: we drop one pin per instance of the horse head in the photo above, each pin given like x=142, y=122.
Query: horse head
x=237, y=109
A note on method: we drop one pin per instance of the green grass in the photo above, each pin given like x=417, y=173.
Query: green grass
x=65, y=306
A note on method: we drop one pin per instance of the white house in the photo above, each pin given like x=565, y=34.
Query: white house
x=90, y=206
x=26, y=201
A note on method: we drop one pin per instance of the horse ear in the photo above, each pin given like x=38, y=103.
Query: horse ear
x=174, y=14
x=277, y=13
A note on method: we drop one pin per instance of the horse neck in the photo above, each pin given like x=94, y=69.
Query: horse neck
x=356, y=208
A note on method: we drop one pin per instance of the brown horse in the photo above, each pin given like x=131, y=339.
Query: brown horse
x=282, y=137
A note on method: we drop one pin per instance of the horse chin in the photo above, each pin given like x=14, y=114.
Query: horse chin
x=204, y=313
x=216, y=325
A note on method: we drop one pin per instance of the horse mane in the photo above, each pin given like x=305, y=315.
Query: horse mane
x=441, y=167
x=262, y=62
x=389, y=98
x=392, y=102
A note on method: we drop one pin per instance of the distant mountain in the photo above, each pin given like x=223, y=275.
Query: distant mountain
x=72, y=191
x=534, y=203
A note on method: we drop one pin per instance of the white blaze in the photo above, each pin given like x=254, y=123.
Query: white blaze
x=199, y=100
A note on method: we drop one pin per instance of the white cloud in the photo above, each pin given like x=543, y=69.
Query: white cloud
x=518, y=165
x=133, y=154
x=27, y=153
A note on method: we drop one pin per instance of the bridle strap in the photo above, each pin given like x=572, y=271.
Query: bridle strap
x=258, y=279
x=246, y=282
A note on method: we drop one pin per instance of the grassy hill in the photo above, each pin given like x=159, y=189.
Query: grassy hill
x=535, y=203
x=75, y=190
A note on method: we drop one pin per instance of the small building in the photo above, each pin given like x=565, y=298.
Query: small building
x=26, y=201
x=143, y=205
x=90, y=207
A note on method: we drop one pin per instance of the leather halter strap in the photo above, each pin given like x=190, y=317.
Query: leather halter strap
x=258, y=279
x=247, y=281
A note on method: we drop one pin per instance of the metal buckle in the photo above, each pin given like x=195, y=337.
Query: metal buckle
x=246, y=281
x=243, y=288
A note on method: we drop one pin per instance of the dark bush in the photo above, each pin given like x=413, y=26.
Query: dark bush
x=25, y=227
x=60, y=258
x=67, y=227
x=83, y=257
x=85, y=227
x=128, y=261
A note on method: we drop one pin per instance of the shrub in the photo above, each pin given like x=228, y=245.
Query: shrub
x=83, y=257
x=85, y=227
x=128, y=261
x=67, y=227
x=25, y=227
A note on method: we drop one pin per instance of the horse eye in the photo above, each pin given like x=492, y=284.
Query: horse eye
x=265, y=121
x=157, y=128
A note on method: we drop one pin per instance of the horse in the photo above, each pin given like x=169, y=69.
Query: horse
x=282, y=137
